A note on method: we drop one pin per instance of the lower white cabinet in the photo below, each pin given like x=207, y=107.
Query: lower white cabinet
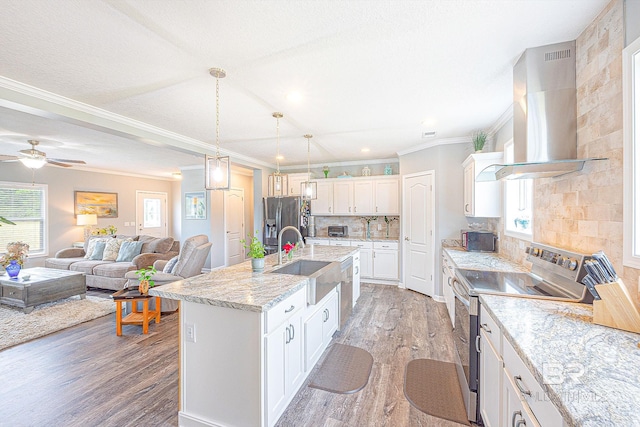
x=366, y=257
x=385, y=260
x=447, y=290
x=321, y=322
x=490, y=382
x=315, y=241
x=516, y=412
x=356, y=278
x=285, y=370
x=333, y=242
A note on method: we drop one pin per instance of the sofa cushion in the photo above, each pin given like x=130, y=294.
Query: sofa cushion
x=85, y=266
x=113, y=269
x=90, y=245
x=112, y=249
x=128, y=250
x=61, y=263
x=158, y=245
x=98, y=251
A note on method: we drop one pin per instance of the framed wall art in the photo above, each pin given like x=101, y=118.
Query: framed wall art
x=105, y=205
x=195, y=205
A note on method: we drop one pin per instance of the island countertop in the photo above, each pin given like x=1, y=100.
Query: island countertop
x=486, y=261
x=239, y=288
x=599, y=383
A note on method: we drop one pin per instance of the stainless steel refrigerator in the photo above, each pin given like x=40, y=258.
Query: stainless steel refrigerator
x=278, y=213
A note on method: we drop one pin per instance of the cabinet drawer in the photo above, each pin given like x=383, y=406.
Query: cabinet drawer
x=286, y=308
x=13, y=292
x=362, y=245
x=339, y=243
x=491, y=330
x=385, y=245
x=541, y=407
x=311, y=241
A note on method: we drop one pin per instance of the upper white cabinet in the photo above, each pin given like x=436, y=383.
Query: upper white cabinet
x=357, y=196
x=481, y=199
x=295, y=180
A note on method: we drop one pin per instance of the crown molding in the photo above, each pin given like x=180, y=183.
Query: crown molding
x=346, y=163
x=29, y=99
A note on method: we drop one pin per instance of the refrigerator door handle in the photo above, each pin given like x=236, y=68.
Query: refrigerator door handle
x=278, y=218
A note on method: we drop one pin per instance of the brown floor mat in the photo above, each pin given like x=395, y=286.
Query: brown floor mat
x=432, y=387
x=345, y=370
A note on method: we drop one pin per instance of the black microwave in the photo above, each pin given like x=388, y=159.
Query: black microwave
x=479, y=241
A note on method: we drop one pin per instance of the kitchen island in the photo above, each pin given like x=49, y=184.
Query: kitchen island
x=249, y=340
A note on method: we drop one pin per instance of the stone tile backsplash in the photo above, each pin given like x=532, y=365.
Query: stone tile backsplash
x=357, y=226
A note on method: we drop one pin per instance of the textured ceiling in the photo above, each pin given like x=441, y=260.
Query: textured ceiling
x=368, y=73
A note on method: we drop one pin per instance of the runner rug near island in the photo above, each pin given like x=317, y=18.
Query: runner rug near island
x=17, y=327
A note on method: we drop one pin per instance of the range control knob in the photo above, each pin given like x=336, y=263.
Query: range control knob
x=572, y=264
x=535, y=251
x=562, y=261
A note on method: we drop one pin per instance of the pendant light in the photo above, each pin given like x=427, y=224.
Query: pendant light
x=309, y=189
x=278, y=185
x=217, y=168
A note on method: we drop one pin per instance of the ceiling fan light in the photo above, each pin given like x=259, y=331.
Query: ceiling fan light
x=33, y=162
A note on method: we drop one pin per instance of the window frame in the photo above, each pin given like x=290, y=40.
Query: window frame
x=45, y=215
x=511, y=233
x=631, y=156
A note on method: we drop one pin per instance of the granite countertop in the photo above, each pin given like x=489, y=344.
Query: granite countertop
x=358, y=238
x=599, y=381
x=487, y=261
x=240, y=288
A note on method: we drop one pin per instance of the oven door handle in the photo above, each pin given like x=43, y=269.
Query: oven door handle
x=458, y=294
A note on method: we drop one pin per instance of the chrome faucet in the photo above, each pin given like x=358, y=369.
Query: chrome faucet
x=288, y=227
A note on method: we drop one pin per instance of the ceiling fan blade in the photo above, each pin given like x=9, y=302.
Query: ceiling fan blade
x=80, y=162
x=53, y=162
x=4, y=158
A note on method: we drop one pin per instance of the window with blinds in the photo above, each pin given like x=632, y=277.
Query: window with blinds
x=26, y=206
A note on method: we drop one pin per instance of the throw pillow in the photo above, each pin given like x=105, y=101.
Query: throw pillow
x=170, y=265
x=98, y=250
x=156, y=245
x=91, y=245
x=128, y=251
x=112, y=249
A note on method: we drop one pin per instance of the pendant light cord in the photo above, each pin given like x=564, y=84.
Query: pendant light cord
x=217, y=117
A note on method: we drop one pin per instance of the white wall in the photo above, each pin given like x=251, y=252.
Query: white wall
x=62, y=182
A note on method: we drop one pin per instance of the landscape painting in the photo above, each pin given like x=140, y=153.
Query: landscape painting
x=105, y=205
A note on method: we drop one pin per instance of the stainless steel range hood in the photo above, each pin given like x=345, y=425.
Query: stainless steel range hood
x=544, y=116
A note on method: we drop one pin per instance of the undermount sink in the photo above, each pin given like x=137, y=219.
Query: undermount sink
x=323, y=276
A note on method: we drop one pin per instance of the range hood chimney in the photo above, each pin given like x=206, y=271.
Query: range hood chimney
x=544, y=115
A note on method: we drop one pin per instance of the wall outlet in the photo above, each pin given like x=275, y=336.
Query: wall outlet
x=190, y=332
x=379, y=227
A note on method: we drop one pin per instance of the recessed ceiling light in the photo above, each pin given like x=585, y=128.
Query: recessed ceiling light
x=430, y=122
x=176, y=175
x=294, y=96
x=365, y=150
x=280, y=157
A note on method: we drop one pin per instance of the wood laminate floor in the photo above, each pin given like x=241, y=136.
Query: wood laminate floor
x=86, y=376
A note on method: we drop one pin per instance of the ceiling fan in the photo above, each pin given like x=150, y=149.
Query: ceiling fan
x=35, y=159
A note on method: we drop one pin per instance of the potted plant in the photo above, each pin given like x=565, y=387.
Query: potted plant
x=479, y=139
x=145, y=275
x=13, y=259
x=256, y=252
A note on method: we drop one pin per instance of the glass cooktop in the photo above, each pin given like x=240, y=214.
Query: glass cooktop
x=499, y=282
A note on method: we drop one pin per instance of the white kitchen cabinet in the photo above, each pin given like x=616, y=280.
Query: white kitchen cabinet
x=323, y=205
x=356, y=278
x=316, y=241
x=284, y=361
x=320, y=324
x=387, y=196
x=481, y=199
x=363, y=198
x=366, y=257
x=516, y=412
x=343, y=197
x=490, y=380
x=334, y=242
x=295, y=180
x=385, y=260
x=447, y=290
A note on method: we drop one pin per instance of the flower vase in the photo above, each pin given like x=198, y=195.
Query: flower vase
x=368, y=231
x=13, y=269
x=143, y=287
x=388, y=227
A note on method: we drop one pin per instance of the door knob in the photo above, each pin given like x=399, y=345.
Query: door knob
x=406, y=238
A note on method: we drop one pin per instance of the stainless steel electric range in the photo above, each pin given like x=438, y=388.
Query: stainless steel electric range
x=555, y=274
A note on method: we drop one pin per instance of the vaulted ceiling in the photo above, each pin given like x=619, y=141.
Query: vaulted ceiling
x=357, y=75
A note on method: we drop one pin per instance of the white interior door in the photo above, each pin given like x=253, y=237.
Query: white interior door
x=151, y=213
x=418, y=223
x=234, y=226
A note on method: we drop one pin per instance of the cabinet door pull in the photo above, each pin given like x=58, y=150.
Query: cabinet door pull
x=357, y=270
x=478, y=344
x=288, y=339
x=290, y=309
x=329, y=208
x=349, y=209
x=355, y=209
x=519, y=384
x=376, y=209
x=293, y=332
x=513, y=418
x=466, y=207
x=486, y=328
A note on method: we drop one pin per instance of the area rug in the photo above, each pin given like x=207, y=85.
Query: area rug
x=17, y=327
x=432, y=387
x=345, y=370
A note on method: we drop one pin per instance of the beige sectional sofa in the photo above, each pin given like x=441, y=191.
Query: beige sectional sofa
x=111, y=274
